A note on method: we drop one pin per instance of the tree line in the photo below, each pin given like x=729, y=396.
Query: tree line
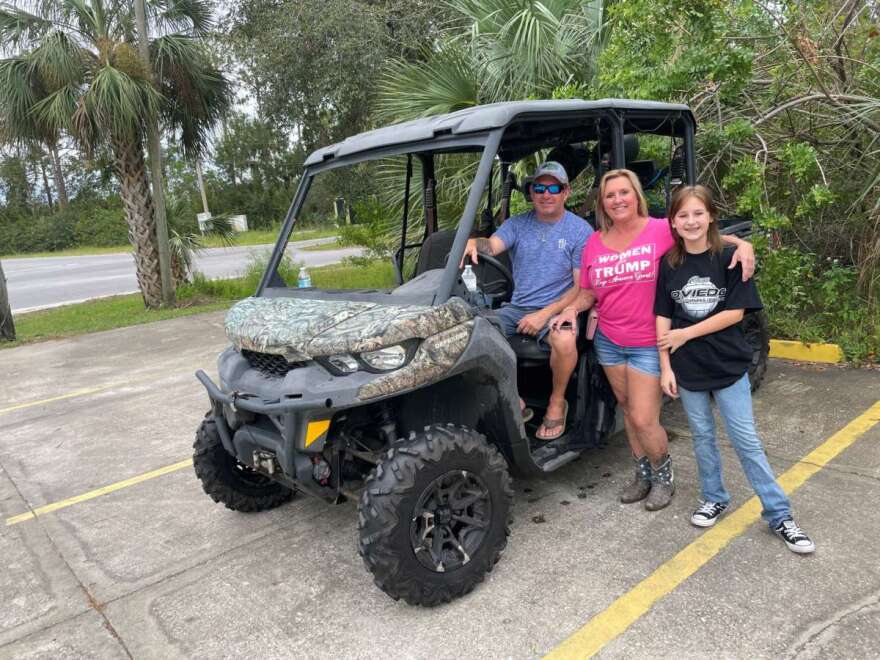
x=786, y=94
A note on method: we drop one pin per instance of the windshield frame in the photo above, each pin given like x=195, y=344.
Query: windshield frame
x=486, y=142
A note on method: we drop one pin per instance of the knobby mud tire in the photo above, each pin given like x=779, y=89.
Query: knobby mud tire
x=392, y=494
x=229, y=482
x=756, y=328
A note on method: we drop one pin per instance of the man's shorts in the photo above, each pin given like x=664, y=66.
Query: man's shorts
x=641, y=358
x=511, y=315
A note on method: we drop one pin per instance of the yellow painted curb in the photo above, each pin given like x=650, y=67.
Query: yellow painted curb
x=797, y=350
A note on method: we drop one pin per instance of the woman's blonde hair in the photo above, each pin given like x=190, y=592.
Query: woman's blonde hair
x=675, y=255
x=605, y=223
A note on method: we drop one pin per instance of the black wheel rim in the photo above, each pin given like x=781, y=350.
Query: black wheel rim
x=450, y=521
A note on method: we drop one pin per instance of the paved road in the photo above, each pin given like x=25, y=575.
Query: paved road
x=155, y=569
x=51, y=281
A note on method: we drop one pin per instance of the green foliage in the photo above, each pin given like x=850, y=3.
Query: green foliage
x=313, y=67
x=498, y=50
x=800, y=161
x=667, y=49
x=97, y=224
x=99, y=227
x=15, y=188
x=818, y=301
x=256, y=150
x=370, y=228
x=572, y=90
x=76, y=69
x=817, y=198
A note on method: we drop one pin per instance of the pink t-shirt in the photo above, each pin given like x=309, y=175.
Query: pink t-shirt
x=625, y=283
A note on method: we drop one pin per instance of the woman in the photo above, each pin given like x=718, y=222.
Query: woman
x=619, y=269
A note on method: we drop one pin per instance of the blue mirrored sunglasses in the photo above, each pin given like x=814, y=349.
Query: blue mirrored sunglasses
x=553, y=188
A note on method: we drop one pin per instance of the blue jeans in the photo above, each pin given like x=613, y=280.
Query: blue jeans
x=735, y=405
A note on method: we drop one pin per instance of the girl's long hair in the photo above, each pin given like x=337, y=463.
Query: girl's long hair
x=605, y=223
x=676, y=253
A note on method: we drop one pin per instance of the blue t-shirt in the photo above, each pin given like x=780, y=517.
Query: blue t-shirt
x=543, y=255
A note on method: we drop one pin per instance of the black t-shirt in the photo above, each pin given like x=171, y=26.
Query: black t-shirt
x=701, y=287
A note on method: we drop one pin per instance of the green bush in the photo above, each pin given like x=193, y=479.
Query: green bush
x=101, y=227
x=28, y=233
x=370, y=229
x=818, y=301
x=99, y=223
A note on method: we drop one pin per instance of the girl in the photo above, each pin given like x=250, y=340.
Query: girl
x=699, y=305
x=619, y=271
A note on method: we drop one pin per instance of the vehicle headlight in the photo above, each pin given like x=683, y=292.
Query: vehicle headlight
x=385, y=359
x=344, y=363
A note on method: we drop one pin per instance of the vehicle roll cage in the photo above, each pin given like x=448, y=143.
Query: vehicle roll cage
x=523, y=135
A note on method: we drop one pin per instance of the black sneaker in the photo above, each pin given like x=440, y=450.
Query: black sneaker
x=708, y=513
x=794, y=537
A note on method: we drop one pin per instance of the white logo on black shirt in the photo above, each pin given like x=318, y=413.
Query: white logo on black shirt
x=699, y=297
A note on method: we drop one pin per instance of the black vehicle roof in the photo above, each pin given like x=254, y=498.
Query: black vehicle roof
x=476, y=119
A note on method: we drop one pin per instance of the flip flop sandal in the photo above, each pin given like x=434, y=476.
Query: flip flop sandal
x=527, y=414
x=551, y=424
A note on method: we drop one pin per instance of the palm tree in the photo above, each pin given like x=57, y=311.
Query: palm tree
x=494, y=50
x=7, y=324
x=498, y=50
x=76, y=69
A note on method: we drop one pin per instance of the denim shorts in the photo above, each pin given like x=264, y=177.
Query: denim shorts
x=641, y=358
x=510, y=315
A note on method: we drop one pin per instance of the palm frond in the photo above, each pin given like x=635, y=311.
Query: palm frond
x=88, y=17
x=191, y=16
x=528, y=48
x=446, y=82
x=57, y=108
x=19, y=91
x=196, y=93
x=114, y=103
x=19, y=28
x=58, y=60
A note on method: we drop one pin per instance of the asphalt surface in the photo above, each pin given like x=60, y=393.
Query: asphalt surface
x=38, y=283
x=155, y=569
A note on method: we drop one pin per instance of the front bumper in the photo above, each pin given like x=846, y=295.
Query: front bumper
x=300, y=425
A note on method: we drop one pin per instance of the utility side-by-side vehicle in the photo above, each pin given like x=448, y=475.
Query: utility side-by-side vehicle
x=406, y=400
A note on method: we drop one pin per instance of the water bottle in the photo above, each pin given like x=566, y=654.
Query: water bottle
x=469, y=278
x=303, y=279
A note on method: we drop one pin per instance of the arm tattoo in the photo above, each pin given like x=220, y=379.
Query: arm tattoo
x=484, y=245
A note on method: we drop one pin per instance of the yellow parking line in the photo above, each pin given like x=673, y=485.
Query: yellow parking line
x=626, y=610
x=69, y=395
x=92, y=494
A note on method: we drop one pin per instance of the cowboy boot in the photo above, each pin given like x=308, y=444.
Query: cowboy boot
x=638, y=488
x=662, y=486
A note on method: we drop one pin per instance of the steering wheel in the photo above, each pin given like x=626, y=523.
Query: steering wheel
x=506, y=279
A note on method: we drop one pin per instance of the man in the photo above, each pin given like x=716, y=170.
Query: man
x=546, y=245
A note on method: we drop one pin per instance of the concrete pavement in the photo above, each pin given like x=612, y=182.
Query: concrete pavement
x=157, y=570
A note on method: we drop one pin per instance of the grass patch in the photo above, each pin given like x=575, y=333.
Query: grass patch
x=201, y=296
x=262, y=237
x=98, y=315
x=255, y=237
x=351, y=274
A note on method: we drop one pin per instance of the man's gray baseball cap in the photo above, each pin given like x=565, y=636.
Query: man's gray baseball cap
x=549, y=168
